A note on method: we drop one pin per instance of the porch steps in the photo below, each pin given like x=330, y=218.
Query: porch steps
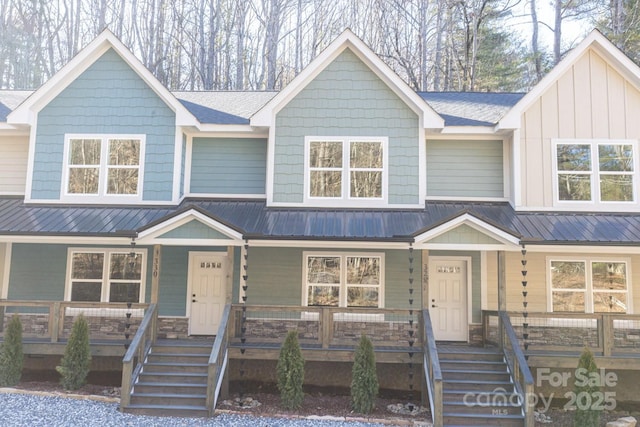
x=478, y=389
x=173, y=380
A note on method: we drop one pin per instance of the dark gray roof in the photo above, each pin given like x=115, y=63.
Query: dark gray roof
x=254, y=220
x=471, y=108
x=236, y=108
x=9, y=100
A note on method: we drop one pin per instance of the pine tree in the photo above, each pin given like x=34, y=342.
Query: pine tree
x=11, y=354
x=364, y=382
x=290, y=371
x=586, y=416
x=75, y=364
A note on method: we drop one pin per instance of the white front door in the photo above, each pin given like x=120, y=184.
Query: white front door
x=448, y=299
x=207, y=284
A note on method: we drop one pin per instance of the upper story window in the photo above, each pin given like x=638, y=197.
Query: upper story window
x=595, y=172
x=589, y=285
x=353, y=169
x=105, y=275
x=343, y=279
x=104, y=166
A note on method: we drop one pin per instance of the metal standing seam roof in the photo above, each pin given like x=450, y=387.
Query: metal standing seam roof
x=254, y=220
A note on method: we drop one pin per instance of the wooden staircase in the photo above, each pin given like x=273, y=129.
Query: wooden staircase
x=477, y=388
x=173, y=380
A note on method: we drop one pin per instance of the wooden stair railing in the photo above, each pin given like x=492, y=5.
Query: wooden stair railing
x=142, y=342
x=218, y=361
x=432, y=372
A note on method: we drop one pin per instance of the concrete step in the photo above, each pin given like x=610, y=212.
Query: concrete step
x=167, y=411
x=168, y=398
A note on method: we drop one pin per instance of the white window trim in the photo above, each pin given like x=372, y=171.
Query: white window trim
x=102, y=195
x=104, y=297
x=588, y=298
x=595, y=203
x=346, y=200
x=342, y=302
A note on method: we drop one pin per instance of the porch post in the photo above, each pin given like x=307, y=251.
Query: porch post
x=155, y=278
x=502, y=293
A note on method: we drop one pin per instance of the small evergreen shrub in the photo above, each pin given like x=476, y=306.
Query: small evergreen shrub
x=11, y=354
x=290, y=372
x=74, y=366
x=587, y=416
x=364, y=381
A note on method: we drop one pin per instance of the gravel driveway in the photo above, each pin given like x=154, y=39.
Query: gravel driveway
x=34, y=411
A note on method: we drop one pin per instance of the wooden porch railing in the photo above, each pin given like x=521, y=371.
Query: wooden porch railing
x=50, y=321
x=568, y=333
x=134, y=357
x=432, y=373
x=518, y=366
x=218, y=361
x=323, y=327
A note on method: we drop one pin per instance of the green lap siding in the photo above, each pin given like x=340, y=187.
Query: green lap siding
x=347, y=99
x=465, y=169
x=276, y=276
x=228, y=166
x=107, y=98
x=38, y=272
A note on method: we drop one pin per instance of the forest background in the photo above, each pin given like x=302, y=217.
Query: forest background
x=434, y=45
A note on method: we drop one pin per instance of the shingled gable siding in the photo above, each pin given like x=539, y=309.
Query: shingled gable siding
x=228, y=166
x=108, y=98
x=465, y=168
x=346, y=99
x=276, y=275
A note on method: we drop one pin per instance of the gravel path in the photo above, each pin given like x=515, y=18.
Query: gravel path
x=35, y=411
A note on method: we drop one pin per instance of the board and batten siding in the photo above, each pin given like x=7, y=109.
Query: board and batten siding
x=228, y=166
x=592, y=100
x=346, y=99
x=107, y=98
x=14, y=154
x=276, y=276
x=465, y=168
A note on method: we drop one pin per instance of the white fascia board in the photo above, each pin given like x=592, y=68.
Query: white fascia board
x=25, y=113
x=610, y=249
x=101, y=201
x=237, y=131
x=473, y=222
x=13, y=130
x=67, y=240
x=470, y=130
x=465, y=247
x=184, y=218
x=328, y=244
x=429, y=119
x=190, y=242
x=225, y=196
x=596, y=40
x=342, y=203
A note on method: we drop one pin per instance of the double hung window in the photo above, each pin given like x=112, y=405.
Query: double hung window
x=110, y=275
x=346, y=169
x=589, y=285
x=595, y=172
x=344, y=279
x=107, y=166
